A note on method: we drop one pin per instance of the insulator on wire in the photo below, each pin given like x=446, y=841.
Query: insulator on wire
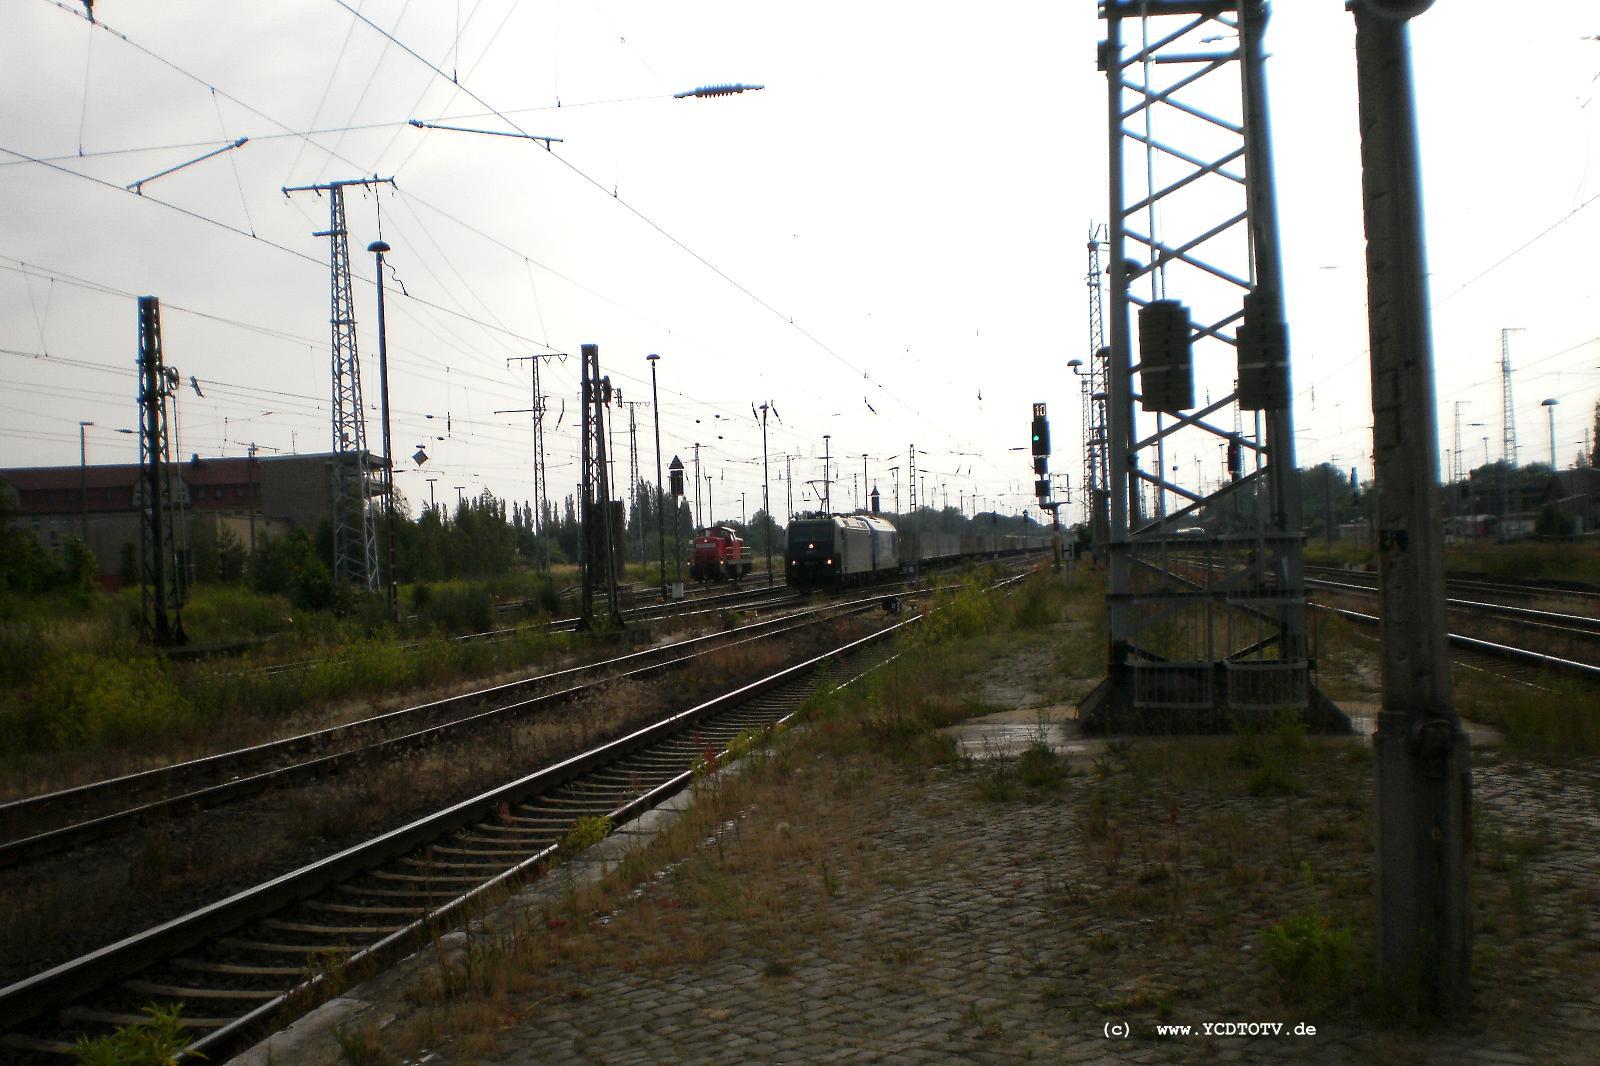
x=1263, y=342
x=717, y=90
x=1166, y=359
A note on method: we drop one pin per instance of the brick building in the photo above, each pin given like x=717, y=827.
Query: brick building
x=251, y=498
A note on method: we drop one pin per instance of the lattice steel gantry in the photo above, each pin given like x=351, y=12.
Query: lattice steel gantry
x=1207, y=604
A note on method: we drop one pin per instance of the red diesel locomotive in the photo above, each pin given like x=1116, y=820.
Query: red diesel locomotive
x=719, y=554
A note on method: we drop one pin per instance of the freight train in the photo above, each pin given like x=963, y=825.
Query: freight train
x=834, y=549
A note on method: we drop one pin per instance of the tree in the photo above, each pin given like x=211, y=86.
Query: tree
x=218, y=554
x=290, y=565
x=1594, y=439
x=28, y=566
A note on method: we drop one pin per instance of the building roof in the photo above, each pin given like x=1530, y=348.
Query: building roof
x=43, y=490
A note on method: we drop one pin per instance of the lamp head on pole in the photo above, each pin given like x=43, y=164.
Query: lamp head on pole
x=378, y=246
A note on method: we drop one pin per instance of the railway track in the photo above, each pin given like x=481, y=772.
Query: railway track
x=1579, y=632
x=1507, y=652
x=1474, y=588
x=686, y=610
x=1551, y=623
x=45, y=824
x=240, y=965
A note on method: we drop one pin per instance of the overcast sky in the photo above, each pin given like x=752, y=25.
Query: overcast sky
x=888, y=242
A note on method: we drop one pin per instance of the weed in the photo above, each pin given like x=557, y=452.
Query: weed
x=1519, y=893
x=586, y=832
x=1273, y=780
x=1310, y=957
x=1038, y=605
x=996, y=781
x=830, y=882
x=161, y=1041
x=1038, y=767
x=360, y=1047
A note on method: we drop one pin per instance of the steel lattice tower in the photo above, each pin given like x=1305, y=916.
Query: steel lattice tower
x=1094, y=400
x=1205, y=627
x=161, y=578
x=355, y=534
x=597, y=549
x=1508, y=411
x=540, y=405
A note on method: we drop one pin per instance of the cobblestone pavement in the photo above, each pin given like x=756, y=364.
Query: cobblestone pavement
x=951, y=938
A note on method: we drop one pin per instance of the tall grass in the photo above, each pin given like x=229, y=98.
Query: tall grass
x=1562, y=560
x=367, y=668
x=1559, y=718
x=222, y=614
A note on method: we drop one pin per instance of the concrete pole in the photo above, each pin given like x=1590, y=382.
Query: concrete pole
x=251, y=472
x=697, y=521
x=766, y=499
x=661, y=500
x=83, y=479
x=1423, y=758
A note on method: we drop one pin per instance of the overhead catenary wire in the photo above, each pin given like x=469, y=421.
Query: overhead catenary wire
x=199, y=217
x=647, y=220
x=425, y=303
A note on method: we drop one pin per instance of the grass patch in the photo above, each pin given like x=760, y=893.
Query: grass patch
x=1558, y=718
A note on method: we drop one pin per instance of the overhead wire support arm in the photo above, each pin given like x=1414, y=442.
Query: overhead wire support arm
x=342, y=183
x=421, y=125
x=138, y=186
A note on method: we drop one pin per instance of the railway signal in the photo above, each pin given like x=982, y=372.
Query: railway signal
x=1041, y=431
x=675, y=475
x=675, y=481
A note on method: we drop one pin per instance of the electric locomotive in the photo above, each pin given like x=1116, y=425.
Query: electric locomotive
x=830, y=549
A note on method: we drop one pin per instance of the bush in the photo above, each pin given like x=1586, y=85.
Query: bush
x=454, y=608
x=22, y=651
x=96, y=701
